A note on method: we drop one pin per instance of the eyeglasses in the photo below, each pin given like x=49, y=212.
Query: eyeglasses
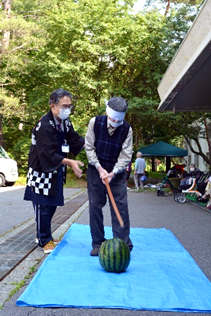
x=65, y=106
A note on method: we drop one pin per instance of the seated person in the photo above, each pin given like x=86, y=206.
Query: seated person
x=187, y=181
x=207, y=194
x=202, y=186
x=174, y=171
x=177, y=171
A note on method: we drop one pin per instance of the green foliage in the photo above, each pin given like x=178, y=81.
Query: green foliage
x=95, y=49
x=82, y=157
x=21, y=181
x=156, y=175
x=73, y=182
x=21, y=151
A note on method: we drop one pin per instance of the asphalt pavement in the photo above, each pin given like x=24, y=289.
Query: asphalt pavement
x=190, y=225
x=14, y=211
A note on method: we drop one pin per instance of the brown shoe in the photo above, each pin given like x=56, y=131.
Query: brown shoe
x=49, y=247
x=56, y=241
x=94, y=252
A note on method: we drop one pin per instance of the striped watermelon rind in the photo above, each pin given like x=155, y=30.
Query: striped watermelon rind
x=114, y=255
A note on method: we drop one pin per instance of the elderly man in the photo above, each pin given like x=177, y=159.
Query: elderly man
x=140, y=166
x=108, y=145
x=53, y=138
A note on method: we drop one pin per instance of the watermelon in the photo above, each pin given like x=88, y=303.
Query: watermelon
x=114, y=255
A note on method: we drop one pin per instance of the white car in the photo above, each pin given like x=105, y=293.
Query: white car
x=8, y=169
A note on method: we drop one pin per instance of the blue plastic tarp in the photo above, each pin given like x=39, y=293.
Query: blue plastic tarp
x=162, y=276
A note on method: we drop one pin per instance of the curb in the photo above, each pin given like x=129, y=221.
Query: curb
x=16, y=277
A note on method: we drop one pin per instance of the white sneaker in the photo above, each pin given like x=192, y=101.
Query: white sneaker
x=56, y=241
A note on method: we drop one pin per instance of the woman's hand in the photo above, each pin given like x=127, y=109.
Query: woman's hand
x=75, y=167
x=74, y=164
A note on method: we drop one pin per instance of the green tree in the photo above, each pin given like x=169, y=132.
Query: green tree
x=95, y=49
x=20, y=36
x=193, y=126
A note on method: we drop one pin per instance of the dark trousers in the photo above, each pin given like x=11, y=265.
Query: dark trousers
x=97, y=199
x=201, y=186
x=44, y=215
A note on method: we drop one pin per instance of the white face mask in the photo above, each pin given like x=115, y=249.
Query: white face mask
x=64, y=113
x=114, y=124
x=192, y=169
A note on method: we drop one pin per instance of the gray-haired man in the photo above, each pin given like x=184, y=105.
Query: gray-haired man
x=108, y=145
x=139, y=171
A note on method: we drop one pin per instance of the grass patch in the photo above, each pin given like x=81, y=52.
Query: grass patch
x=21, y=181
x=156, y=174
x=71, y=181
x=19, y=285
x=193, y=199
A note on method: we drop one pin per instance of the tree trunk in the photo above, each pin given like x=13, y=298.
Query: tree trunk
x=167, y=7
x=1, y=133
x=153, y=164
x=4, y=45
x=168, y=164
x=6, y=33
x=208, y=135
x=199, y=152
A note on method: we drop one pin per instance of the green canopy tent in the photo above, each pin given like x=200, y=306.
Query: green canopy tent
x=162, y=149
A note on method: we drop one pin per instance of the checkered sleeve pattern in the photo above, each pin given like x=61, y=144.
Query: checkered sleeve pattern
x=40, y=182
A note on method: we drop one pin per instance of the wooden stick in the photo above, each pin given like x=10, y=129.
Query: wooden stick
x=114, y=203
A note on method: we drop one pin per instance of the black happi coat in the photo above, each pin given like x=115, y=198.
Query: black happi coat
x=45, y=155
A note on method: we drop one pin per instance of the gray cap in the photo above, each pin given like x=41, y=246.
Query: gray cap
x=118, y=104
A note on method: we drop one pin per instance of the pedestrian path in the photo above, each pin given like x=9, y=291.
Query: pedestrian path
x=16, y=248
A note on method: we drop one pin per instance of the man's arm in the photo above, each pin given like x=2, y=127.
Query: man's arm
x=74, y=140
x=89, y=145
x=125, y=154
x=91, y=150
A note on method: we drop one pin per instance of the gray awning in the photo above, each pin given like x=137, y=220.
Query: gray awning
x=186, y=85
